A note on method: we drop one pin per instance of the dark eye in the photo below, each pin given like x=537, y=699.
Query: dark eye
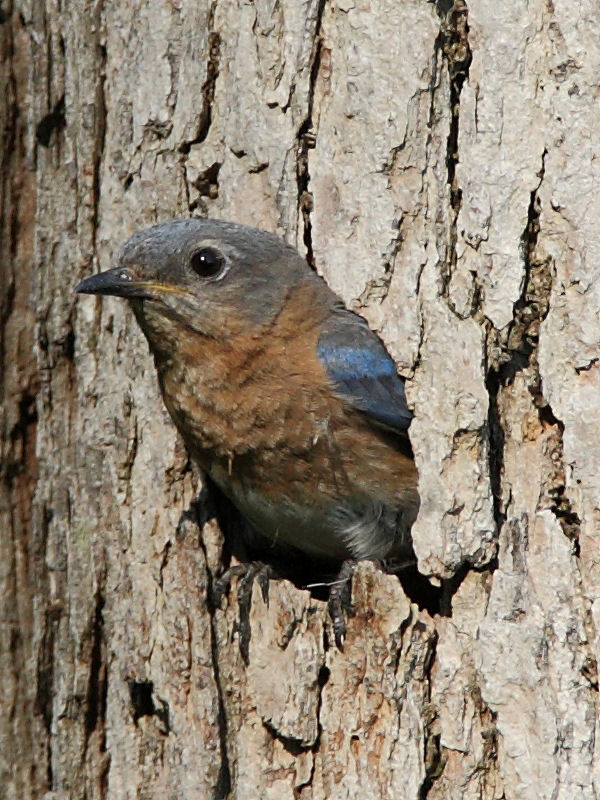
x=207, y=263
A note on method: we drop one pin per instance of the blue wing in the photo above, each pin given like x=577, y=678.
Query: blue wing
x=363, y=371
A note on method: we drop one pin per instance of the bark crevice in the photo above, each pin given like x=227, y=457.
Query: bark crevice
x=100, y=120
x=209, y=85
x=514, y=349
x=453, y=41
x=433, y=753
x=202, y=512
x=306, y=140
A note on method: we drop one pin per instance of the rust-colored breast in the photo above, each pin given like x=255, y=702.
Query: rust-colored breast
x=259, y=413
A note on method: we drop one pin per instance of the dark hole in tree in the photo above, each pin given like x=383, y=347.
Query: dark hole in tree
x=54, y=121
x=141, y=698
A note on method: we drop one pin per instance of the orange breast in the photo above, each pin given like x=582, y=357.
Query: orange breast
x=258, y=409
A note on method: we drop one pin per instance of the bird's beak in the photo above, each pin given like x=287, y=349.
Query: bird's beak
x=121, y=282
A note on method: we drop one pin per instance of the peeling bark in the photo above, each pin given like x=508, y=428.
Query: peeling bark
x=436, y=163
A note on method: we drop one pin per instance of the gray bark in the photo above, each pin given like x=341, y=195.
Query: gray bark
x=436, y=162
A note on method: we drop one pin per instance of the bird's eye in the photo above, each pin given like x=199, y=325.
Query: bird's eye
x=207, y=263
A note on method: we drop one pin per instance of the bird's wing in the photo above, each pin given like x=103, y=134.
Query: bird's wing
x=363, y=371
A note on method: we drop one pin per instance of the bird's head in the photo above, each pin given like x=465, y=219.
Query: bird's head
x=212, y=277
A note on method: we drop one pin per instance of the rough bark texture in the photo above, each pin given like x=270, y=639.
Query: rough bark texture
x=437, y=163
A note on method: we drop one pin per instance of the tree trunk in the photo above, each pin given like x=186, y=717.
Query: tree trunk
x=436, y=162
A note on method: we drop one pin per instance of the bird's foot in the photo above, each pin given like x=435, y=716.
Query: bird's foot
x=253, y=570
x=248, y=573
x=339, y=603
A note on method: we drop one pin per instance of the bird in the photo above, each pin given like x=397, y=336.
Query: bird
x=284, y=397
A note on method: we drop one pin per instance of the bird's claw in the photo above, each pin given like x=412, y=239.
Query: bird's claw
x=254, y=570
x=222, y=586
x=248, y=573
x=339, y=603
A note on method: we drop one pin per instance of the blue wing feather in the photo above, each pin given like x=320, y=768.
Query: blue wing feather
x=363, y=371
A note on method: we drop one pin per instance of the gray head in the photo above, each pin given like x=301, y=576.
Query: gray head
x=203, y=273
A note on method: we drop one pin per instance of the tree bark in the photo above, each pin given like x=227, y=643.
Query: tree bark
x=436, y=163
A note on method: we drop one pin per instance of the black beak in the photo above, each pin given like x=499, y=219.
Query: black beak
x=119, y=282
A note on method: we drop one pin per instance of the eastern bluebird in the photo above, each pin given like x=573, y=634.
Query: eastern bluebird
x=285, y=398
